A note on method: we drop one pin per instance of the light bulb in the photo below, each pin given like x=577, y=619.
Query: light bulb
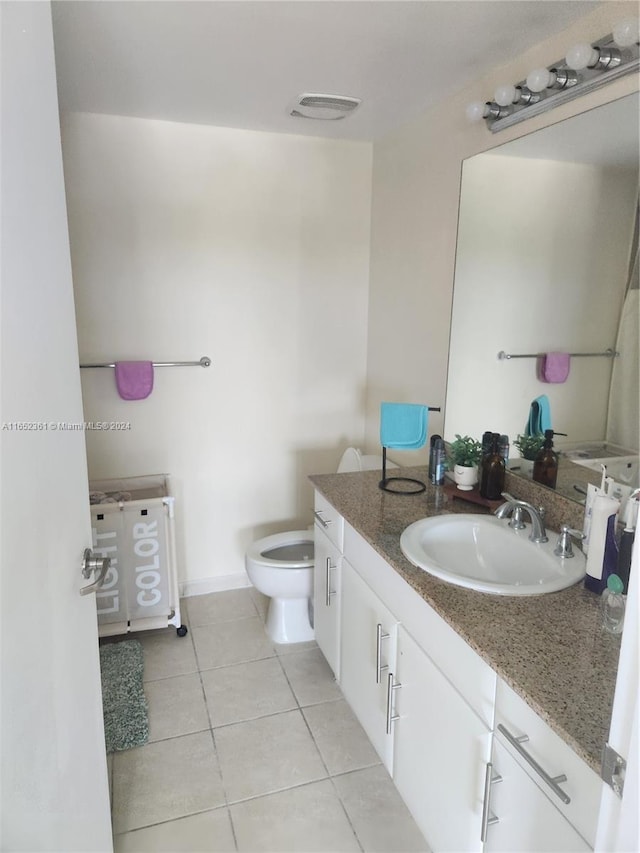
x=582, y=56
x=627, y=33
x=477, y=111
x=540, y=78
x=505, y=95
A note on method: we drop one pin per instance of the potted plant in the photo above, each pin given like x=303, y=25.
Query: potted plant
x=465, y=453
x=529, y=447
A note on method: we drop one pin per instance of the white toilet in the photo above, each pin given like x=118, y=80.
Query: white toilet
x=281, y=567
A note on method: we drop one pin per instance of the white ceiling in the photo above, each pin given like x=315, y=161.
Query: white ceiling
x=240, y=63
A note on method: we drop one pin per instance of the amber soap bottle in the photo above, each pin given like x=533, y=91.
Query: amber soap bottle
x=492, y=482
x=545, y=466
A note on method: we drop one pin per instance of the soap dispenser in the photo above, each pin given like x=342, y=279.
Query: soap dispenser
x=545, y=466
x=493, y=467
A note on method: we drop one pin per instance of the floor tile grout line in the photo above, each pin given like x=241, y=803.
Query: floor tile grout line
x=282, y=790
x=173, y=820
x=344, y=809
x=213, y=737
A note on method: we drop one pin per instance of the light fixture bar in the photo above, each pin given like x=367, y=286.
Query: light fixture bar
x=590, y=79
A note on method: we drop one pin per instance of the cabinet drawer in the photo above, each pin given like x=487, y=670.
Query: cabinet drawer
x=329, y=520
x=583, y=787
x=525, y=820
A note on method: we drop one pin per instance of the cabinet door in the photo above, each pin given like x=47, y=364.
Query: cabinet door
x=368, y=654
x=441, y=750
x=326, y=599
x=526, y=818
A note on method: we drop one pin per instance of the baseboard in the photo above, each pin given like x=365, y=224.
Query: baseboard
x=219, y=583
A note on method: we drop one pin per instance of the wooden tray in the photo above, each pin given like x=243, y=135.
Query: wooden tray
x=473, y=497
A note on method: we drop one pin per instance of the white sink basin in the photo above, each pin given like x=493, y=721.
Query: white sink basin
x=482, y=552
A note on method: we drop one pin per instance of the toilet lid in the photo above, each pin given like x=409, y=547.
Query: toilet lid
x=350, y=461
x=353, y=460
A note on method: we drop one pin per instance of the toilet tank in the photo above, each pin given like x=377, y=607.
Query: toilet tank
x=354, y=460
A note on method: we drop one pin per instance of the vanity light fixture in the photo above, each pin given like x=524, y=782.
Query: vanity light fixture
x=586, y=67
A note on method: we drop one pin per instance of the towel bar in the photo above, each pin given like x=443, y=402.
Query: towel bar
x=205, y=361
x=608, y=353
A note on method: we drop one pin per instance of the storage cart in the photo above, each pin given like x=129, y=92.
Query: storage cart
x=132, y=522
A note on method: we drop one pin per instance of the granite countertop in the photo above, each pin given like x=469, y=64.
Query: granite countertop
x=550, y=648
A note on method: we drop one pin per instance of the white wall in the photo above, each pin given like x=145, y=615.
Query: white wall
x=253, y=249
x=416, y=184
x=542, y=265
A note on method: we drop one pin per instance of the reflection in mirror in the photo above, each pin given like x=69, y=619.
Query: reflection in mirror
x=547, y=242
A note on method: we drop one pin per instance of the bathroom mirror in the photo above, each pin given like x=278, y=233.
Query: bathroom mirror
x=547, y=238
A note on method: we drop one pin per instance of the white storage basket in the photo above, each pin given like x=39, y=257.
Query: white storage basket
x=134, y=526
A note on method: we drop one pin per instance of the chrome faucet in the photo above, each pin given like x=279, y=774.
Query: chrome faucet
x=514, y=508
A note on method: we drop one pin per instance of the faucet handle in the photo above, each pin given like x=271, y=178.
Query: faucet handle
x=564, y=547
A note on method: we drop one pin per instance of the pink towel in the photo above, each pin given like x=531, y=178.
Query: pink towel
x=554, y=367
x=134, y=379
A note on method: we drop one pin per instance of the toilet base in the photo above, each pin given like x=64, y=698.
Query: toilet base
x=288, y=620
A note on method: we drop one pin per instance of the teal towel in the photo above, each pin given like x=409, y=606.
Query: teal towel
x=539, y=416
x=403, y=426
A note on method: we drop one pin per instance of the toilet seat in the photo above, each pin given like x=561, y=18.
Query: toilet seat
x=281, y=567
x=262, y=551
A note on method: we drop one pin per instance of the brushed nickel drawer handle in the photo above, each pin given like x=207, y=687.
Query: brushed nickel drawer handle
x=379, y=638
x=391, y=717
x=551, y=781
x=488, y=819
x=325, y=522
x=329, y=593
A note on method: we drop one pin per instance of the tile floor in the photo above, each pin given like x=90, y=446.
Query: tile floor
x=251, y=747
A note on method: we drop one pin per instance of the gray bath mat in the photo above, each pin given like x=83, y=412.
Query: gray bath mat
x=123, y=701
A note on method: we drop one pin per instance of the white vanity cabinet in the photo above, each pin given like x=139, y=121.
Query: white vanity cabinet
x=441, y=720
x=368, y=654
x=328, y=538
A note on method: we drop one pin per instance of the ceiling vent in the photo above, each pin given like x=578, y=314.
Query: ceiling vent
x=324, y=107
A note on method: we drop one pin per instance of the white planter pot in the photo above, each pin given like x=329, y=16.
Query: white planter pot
x=465, y=478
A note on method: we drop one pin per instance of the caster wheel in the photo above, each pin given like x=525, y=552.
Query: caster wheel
x=182, y=631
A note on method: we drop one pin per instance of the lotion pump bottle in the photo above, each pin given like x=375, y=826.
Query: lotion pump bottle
x=545, y=467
